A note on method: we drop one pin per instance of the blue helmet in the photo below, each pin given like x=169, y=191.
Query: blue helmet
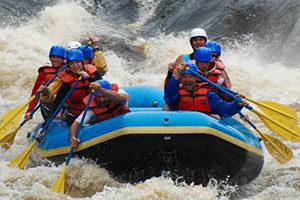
x=57, y=51
x=214, y=47
x=74, y=54
x=192, y=66
x=203, y=54
x=87, y=51
x=104, y=84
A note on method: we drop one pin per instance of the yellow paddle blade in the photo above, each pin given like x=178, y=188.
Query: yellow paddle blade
x=59, y=185
x=285, y=130
x=21, y=160
x=276, y=148
x=285, y=109
x=276, y=110
x=7, y=140
x=10, y=119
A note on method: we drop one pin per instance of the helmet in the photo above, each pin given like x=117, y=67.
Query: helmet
x=73, y=45
x=57, y=51
x=192, y=66
x=214, y=47
x=104, y=84
x=74, y=54
x=198, y=32
x=87, y=51
x=203, y=54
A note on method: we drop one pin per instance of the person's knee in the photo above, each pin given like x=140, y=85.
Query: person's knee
x=70, y=118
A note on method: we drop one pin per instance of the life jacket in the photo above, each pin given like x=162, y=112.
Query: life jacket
x=49, y=72
x=103, y=113
x=213, y=74
x=75, y=105
x=196, y=101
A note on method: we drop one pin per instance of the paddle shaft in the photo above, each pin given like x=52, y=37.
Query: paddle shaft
x=260, y=104
x=219, y=87
x=31, y=114
x=58, y=109
x=80, y=125
x=249, y=122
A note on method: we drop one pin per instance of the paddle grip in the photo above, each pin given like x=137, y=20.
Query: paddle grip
x=39, y=139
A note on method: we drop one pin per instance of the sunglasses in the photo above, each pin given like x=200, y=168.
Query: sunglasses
x=215, y=55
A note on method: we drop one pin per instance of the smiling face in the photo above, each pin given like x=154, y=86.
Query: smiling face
x=56, y=61
x=197, y=42
x=188, y=81
x=75, y=66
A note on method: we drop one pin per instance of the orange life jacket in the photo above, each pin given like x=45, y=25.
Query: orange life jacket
x=49, y=72
x=103, y=113
x=82, y=89
x=196, y=101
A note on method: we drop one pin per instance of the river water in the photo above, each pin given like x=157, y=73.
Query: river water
x=260, y=40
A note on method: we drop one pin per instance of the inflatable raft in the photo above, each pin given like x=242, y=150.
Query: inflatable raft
x=147, y=142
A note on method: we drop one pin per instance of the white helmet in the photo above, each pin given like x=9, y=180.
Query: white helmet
x=198, y=32
x=73, y=45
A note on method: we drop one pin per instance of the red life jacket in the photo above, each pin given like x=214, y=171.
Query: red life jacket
x=103, y=113
x=49, y=72
x=214, y=72
x=82, y=89
x=196, y=101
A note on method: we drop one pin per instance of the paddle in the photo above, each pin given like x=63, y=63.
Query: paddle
x=9, y=120
x=285, y=130
x=59, y=185
x=274, y=146
x=276, y=110
x=21, y=160
x=7, y=140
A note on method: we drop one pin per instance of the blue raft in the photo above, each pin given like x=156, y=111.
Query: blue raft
x=147, y=141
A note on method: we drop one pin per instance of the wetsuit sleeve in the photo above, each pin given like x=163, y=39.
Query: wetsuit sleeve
x=100, y=63
x=36, y=86
x=53, y=88
x=167, y=79
x=172, y=93
x=220, y=107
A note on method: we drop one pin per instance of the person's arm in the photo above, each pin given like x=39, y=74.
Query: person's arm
x=36, y=86
x=171, y=96
x=48, y=94
x=227, y=82
x=178, y=61
x=73, y=129
x=100, y=63
x=117, y=97
x=171, y=67
x=222, y=108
